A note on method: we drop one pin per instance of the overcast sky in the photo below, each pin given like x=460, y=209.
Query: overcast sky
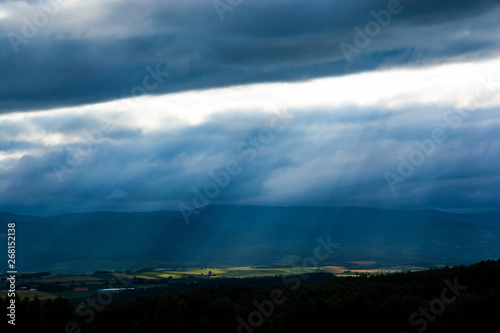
x=152, y=105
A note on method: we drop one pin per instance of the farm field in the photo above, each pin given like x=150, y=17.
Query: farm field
x=64, y=285
x=30, y=294
x=231, y=272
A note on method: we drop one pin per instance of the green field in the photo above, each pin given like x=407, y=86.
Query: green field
x=246, y=271
x=160, y=277
x=208, y=272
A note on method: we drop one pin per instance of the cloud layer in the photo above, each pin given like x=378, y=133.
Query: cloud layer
x=68, y=52
x=163, y=104
x=407, y=137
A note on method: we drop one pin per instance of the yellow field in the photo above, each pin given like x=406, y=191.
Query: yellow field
x=240, y=271
x=206, y=270
x=247, y=271
x=170, y=275
x=334, y=269
x=144, y=277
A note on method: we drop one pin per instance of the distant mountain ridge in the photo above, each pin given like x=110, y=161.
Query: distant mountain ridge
x=250, y=235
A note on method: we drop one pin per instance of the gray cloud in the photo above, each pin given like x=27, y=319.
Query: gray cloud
x=317, y=159
x=96, y=51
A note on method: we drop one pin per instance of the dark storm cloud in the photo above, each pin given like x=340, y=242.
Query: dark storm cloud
x=316, y=159
x=101, y=53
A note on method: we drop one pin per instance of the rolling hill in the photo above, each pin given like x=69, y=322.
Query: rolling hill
x=250, y=235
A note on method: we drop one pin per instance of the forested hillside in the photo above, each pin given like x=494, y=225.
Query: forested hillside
x=250, y=236
x=458, y=299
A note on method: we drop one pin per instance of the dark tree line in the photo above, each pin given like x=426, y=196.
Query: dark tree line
x=458, y=299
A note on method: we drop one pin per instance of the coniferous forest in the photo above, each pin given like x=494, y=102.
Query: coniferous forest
x=456, y=299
